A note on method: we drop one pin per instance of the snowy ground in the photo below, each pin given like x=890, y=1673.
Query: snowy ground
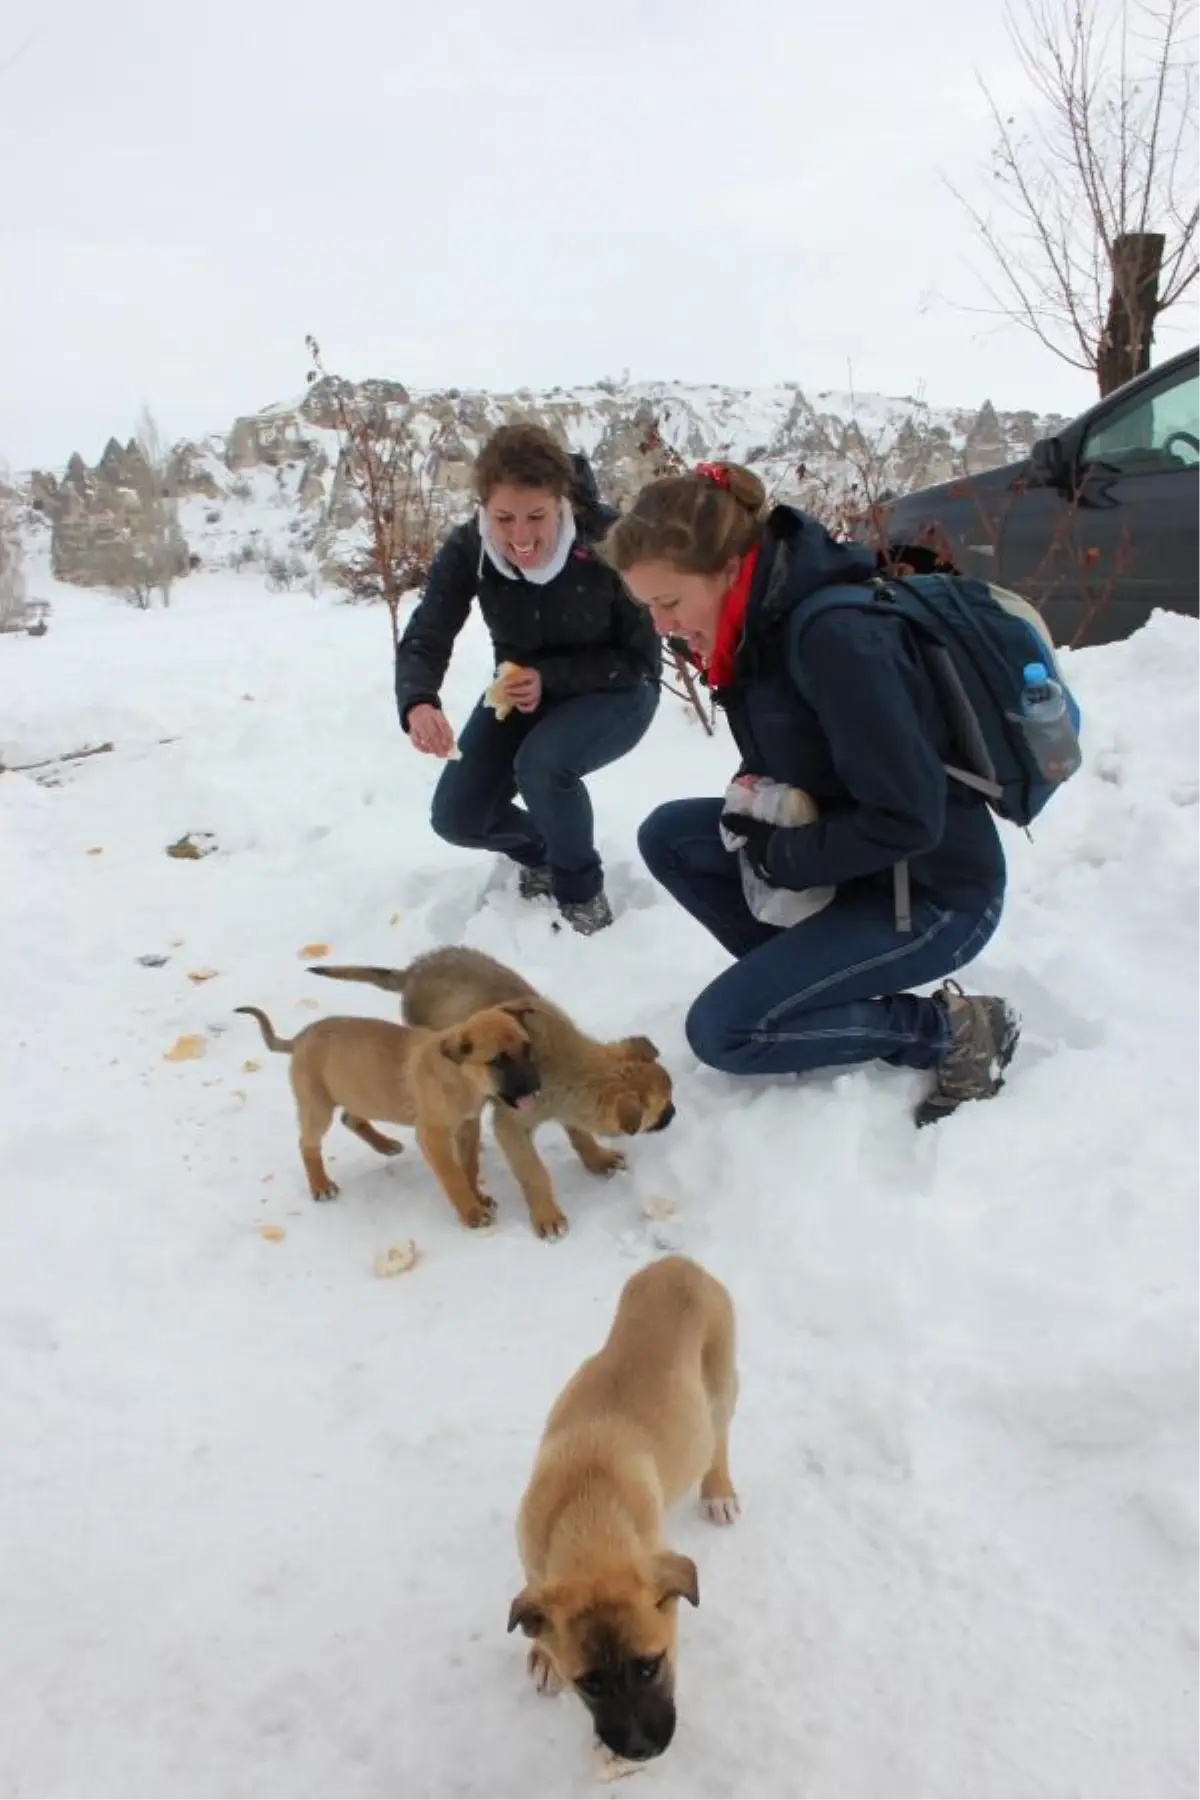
x=256, y=1507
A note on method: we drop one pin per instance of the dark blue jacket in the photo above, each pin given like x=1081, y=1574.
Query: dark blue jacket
x=844, y=709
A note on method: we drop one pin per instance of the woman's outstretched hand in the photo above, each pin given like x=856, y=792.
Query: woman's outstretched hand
x=430, y=731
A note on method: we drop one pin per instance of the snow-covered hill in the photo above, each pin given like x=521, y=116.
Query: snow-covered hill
x=272, y=492
x=256, y=1511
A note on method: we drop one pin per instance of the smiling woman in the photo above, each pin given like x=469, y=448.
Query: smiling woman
x=838, y=712
x=577, y=670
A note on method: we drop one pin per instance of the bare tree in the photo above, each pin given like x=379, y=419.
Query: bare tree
x=14, y=608
x=1094, y=232
x=876, y=463
x=393, y=476
x=152, y=543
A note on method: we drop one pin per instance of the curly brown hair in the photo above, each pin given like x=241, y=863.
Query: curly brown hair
x=523, y=455
x=696, y=523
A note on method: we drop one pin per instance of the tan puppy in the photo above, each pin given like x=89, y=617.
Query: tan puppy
x=437, y=1081
x=634, y=1429
x=612, y=1089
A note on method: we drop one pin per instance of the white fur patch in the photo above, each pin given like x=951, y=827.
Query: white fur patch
x=611, y=1767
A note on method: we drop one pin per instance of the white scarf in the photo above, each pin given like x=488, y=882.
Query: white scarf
x=544, y=572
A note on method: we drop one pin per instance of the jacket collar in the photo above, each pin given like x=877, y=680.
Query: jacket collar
x=797, y=558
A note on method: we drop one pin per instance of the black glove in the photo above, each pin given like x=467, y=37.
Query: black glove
x=754, y=836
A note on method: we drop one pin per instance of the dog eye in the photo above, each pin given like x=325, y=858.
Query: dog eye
x=591, y=1684
x=647, y=1667
x=499, y=1063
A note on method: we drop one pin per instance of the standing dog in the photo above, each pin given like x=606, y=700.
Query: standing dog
x=614, y=1089
x=635, y=1428
x=437, y=1081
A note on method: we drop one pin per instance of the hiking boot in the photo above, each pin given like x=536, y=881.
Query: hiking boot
x=983, y=1036
x=534, y=884
x=587, y=916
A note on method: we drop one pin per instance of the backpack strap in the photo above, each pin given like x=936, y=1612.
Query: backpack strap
x=902, y=896
x=947, y=683
x=961, y=716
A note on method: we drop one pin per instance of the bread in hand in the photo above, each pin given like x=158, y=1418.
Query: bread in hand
x=496, y=695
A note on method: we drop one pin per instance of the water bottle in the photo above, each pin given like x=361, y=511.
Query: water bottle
x=1047, y=724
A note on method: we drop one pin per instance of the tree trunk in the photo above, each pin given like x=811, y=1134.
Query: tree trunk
x=1124, y=349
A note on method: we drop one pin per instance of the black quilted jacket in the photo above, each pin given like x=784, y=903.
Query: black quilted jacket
x=581, y=631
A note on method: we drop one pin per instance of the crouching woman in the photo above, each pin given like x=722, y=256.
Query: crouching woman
x=845, y=712
x=586, y=685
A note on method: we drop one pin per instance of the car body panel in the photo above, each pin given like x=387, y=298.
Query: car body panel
x=1095, y=529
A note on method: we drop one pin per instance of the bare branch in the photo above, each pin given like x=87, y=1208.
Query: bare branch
x=393, y=476
x=1093, y=233
x=14, y=608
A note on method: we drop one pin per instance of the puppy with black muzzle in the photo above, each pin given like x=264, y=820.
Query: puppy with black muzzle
x=640, y=1423
x=438, y=1081
x=614, y=1089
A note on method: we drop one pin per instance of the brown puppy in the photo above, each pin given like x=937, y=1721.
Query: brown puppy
x=635, y=1428
x=437, y=1081
x=589, y=1087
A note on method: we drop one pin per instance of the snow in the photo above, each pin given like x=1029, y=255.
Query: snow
x=256, y=1521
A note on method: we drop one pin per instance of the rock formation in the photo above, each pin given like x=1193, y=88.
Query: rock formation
x=276, y=490
x=113, y=526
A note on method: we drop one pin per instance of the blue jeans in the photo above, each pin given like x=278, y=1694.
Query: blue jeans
x=823, y=993
x=544, y=756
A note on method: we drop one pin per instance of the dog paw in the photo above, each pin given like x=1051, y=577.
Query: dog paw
x=720, y=1509
x=543, y=1674
x=552, y=1226
x=481, y=1216
x=330, y=1191
x=608, y=1163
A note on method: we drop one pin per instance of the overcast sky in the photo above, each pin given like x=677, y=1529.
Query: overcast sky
x=490, y=193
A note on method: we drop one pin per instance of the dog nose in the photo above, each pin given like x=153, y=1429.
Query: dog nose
x=665, y=1117
x=520, y=1082
x=639, y=1745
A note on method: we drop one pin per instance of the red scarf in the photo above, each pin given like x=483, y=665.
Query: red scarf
x=730, y=623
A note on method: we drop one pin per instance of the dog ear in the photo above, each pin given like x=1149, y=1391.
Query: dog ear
x=457, y=1046
x=526, y=1613
x=629, y=1114
x=520, y=1010
x=640, y=1049
x=676, y=1578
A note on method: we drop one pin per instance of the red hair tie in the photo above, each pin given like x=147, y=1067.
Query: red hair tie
x=717, y=473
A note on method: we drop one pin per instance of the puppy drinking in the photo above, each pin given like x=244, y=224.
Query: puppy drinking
x=638, y=1425
x=437, y=1081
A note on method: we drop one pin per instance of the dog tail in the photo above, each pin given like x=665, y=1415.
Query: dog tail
x=393, y=980
x=284, y=1045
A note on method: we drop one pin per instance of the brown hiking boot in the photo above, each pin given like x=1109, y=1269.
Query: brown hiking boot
x=983, y=1036
x=534, y=884
x=587, y=916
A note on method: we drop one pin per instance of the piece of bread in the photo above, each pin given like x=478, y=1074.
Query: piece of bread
x=397, y=1259
x=496, y=696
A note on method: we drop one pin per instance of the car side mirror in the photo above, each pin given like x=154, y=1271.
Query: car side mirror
x=1049, y=462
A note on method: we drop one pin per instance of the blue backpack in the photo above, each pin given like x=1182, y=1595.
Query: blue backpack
x=977, y=642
